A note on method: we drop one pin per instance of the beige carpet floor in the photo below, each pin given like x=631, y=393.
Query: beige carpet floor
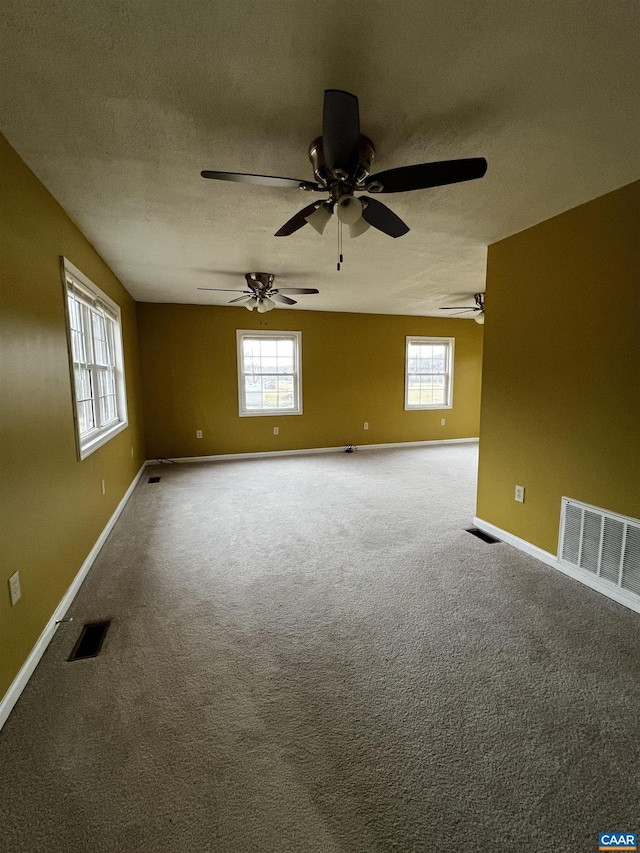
x=311, y=655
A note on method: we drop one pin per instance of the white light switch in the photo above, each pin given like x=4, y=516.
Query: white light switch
x=14, y=588
x=103, y=487
x=442, y=421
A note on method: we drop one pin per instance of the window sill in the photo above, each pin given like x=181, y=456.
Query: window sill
x=88, y=447
x=426, y=408
x=270, y=413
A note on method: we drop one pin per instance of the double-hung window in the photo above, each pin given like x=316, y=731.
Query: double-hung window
x=95, y=358
x=269, y=381
x=429, y=373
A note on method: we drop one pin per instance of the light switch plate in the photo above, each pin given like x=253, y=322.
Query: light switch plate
x=15, y=592
x=520, y=494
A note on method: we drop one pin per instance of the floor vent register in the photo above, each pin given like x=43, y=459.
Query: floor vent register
x=90, y=640
x=490, y=540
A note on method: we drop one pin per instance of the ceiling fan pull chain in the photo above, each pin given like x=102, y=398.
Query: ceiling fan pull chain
x=339, y=247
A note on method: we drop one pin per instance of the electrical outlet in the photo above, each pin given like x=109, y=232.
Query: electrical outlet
x=520, y=494
x=442, y=421
x=103, y=487
x=15, y=593
x=276, y=430
x=366, y=425
x=198, y=433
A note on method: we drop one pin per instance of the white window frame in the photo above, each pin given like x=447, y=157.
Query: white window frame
x=448, y=373
x=243, y=334
x=94, y=299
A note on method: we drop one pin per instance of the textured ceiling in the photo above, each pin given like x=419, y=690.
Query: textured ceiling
x=117, y=106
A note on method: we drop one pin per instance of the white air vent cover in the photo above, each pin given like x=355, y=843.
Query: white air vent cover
x=602, y=543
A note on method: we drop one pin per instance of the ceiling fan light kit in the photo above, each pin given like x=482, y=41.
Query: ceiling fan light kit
x=265, y=304
x=320, y=217
x=245, y=302
x=358, y=227
x=349, y=209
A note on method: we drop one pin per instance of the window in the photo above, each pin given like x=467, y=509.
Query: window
x=429, y=373
x=95, y=358
x=269, y=373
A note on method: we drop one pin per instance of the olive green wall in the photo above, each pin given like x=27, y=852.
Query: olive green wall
x=352, y=371
x=561, y=374
x=51, y=507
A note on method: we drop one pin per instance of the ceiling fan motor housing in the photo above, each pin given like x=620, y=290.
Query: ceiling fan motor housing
x=260, y=281
x=366, y=156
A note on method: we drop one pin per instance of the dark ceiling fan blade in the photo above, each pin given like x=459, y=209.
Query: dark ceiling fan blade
x=298, y=221
x=341, y=131
x=461, y=308
x=297, y=290
x=261, y=180
x=381, y=217
x=425, y=175
x=278, y=297
x=224, y=290
x=240, y=298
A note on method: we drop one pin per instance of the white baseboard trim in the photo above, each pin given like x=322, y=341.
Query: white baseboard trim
x=307, y=450
x=20, y=681
x=595, y=583
x=434, y=441
x=520, y=544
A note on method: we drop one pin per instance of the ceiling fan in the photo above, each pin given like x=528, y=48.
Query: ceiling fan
x=341, y=160
x=477, y=309
x=261, y=294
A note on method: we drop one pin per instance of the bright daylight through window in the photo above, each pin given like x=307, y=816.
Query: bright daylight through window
x=95, y=354
x=429, y=373
x=269, y=373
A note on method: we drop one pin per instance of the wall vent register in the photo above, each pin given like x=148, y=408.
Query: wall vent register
x=601, y=543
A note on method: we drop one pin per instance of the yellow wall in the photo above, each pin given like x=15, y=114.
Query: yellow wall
x=352, y=371
x=51, y=507
x=561, y=375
